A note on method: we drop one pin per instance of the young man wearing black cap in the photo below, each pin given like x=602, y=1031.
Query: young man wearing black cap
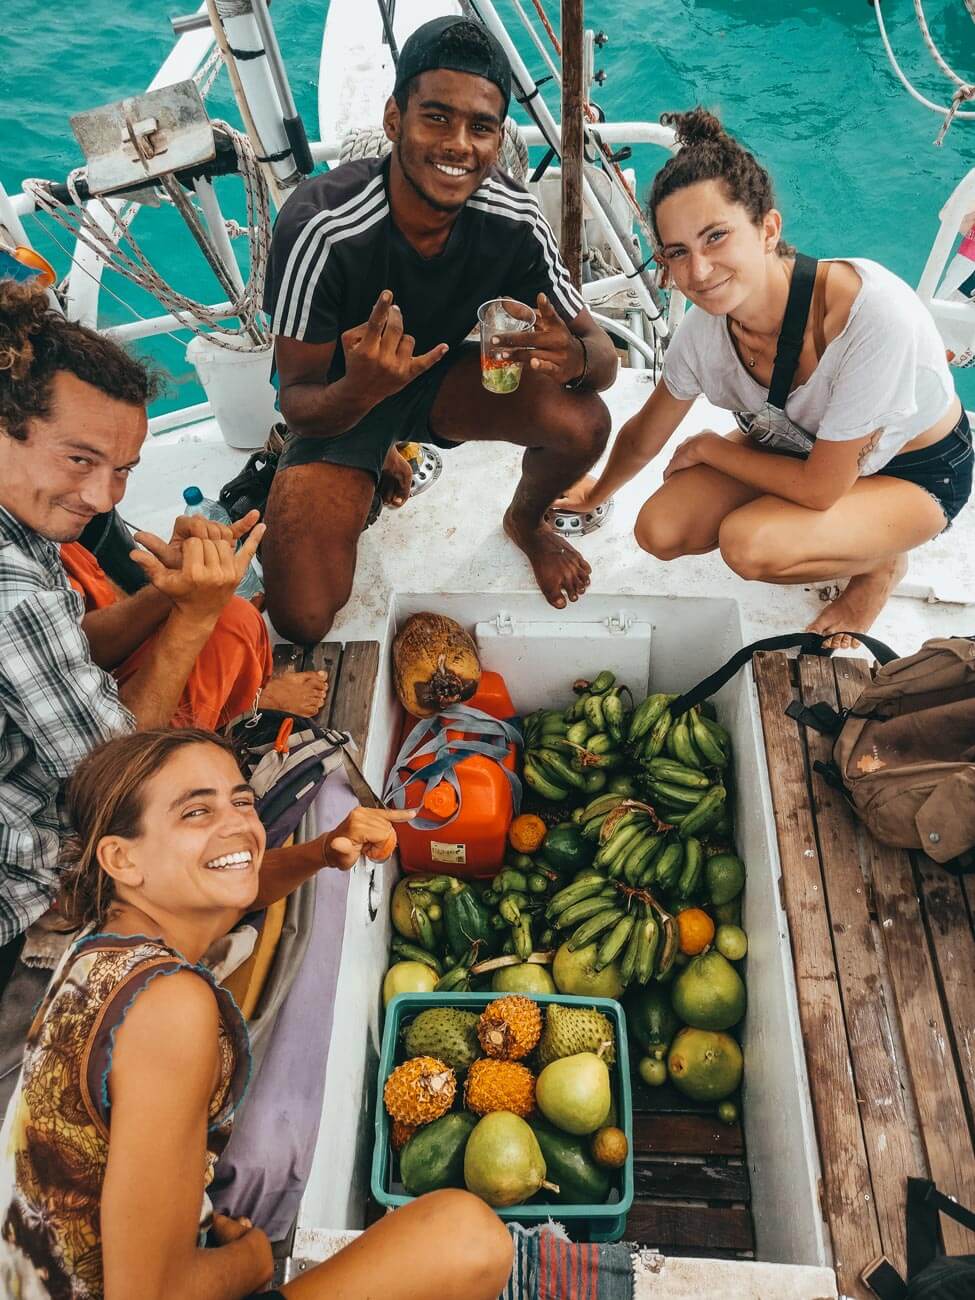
x=376, y=272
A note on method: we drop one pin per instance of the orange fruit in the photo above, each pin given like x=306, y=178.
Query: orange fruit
x=526, y=833
x=696, y=930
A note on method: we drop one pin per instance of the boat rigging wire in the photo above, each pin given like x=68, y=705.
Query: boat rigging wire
x=136, y=267
x=963, y=93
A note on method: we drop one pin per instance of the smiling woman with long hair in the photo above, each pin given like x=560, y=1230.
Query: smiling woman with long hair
x=868, y=452
x=137, y=1060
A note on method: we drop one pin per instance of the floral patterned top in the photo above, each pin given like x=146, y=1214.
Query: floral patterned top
x=54, y=1142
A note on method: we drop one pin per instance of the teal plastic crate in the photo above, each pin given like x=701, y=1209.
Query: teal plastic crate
x=605, y=1222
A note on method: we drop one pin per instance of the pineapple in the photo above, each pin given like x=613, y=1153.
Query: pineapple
x=420, y=1090
x=499, y=1085
x=510, y=1027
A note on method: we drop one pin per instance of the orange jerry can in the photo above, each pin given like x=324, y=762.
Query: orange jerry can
x=465, y=815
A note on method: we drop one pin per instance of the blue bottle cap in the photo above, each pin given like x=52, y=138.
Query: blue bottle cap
x=192, y=496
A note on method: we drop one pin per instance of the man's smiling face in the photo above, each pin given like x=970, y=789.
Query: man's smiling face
x=448, y=137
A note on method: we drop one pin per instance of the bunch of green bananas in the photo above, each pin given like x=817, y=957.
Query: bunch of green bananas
x=517, y=900
x=626, y=930
x=693, y=739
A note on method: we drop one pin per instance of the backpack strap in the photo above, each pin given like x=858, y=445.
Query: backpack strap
x=812, y=643
x=821, y=717
x=429, y=736
x=924, y=1204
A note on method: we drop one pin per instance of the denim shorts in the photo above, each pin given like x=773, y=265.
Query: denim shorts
x=944, y=469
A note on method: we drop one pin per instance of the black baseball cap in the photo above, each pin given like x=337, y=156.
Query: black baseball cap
x=426, y=50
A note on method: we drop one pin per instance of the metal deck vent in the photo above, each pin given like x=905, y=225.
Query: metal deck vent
x=426, y=470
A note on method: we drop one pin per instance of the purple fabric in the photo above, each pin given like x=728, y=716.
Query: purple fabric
x=264, y=1169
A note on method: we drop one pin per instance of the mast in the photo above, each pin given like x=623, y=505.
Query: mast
x=572, y=137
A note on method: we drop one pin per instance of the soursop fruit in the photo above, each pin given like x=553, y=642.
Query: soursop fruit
x=570, y=1030
x=446, y=1033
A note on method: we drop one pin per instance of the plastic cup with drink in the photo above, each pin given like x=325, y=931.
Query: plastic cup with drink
x=496, y=318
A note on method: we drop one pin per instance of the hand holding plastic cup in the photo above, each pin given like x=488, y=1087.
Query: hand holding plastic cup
x=498, y=317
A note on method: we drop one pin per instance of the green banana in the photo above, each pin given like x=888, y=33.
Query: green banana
x=669, y=865
x=718, y=734
x=413, y=952
x=658, y=735
x=522, y=935
x=677, y=796
x=456, y=980
x=612, y=945
x=649, y=939
x=614, y=847
x=509, y=879
x=644, y=716
x=683, y=745
x=638, y=856
x=574, y=893
x=599, y=807
x=706, y=812
x=693, y=869
x=603, y=682
x=557, y=769
x=666, y=769
x=435, y=885
x=592, y=830
x=540, y=783
x=424, y=928
x=614, y=716
x=670, y=941
x=582, y=911
x=578, y=733
x=591, y=929
x=592, y=711
x=705, y=743
x=628, y=964
x=510, y=909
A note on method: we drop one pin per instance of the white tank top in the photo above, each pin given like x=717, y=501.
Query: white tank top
x=886, y=370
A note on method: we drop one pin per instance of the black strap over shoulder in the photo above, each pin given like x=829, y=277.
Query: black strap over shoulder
x=793, y=328
x=808, y=642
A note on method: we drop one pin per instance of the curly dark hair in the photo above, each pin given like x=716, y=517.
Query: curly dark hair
x=36, y=342
x=708, y=153
x=104, y=797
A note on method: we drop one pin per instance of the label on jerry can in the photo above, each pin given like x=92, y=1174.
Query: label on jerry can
x=455, y=854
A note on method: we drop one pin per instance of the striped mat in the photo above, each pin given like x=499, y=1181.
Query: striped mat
x=548, y=1266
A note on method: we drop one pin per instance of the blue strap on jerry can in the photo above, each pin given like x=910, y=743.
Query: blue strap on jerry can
x=429, y=736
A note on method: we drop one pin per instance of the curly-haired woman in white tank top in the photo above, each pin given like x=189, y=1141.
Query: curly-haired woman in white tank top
x=872, y=454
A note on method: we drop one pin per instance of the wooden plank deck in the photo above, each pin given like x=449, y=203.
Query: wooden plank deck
x=884, y=956
x=352, y=670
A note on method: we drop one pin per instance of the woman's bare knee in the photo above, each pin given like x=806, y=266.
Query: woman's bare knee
x=748, y=550
x=476, y=1244
x=660, y=535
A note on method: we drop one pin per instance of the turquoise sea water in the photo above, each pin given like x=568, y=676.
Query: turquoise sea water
x=806, y=85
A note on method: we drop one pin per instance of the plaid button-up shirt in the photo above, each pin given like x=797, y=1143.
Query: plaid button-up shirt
x=55, y=706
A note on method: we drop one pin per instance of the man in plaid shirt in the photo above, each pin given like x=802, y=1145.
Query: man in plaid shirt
x=72, y=423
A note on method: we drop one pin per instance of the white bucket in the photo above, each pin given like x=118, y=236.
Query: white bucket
x=238, y=387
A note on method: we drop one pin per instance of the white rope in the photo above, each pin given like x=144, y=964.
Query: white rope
x=208, y=71
x=948, y=113
x=933, y=50
x=136, y=267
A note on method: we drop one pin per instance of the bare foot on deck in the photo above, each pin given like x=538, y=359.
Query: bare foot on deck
x=396, y=479
x=300, y=693
x=858, y=606
x=560, y=570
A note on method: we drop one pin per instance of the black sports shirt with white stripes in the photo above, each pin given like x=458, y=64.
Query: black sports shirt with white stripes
x=335, y=249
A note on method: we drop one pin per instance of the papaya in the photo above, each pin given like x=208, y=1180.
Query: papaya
x=566, y=850
x=569, y=1164
x=434, y=1156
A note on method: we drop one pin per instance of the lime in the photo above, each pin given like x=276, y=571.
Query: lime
x=652, y=1072
x=725, y=876
x=731, y=941
x=728, y=1112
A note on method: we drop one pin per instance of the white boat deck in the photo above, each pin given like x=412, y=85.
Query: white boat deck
x=449, y=539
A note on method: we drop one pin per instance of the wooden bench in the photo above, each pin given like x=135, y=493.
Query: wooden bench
x=884, y=956
x=352, y=672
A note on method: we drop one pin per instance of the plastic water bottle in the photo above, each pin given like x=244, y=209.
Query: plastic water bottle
x=958, y=285
x=195, y=503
